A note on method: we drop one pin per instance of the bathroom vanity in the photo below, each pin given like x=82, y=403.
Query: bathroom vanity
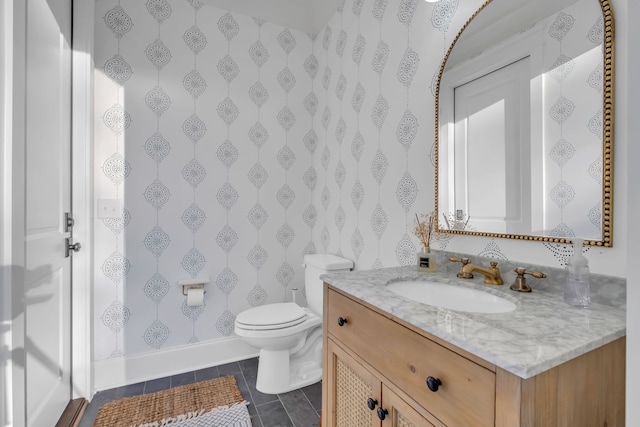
x=389, y=361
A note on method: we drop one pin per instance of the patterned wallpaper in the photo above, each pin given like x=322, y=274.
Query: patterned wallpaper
x=380, y=60
x=573, y=134
x=376, y=130
x=238, y=146
x=204, y=131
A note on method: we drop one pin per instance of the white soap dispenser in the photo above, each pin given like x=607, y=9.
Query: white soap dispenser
x=576, y=289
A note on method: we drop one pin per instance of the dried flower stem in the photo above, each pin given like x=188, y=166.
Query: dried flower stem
x=424, y=229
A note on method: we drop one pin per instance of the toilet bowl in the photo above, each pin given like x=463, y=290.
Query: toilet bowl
x=290, y=336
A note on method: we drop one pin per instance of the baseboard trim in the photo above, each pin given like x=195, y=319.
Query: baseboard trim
x=117, y=372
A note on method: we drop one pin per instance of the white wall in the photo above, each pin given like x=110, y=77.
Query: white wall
x=12, y=222
x=627, y=13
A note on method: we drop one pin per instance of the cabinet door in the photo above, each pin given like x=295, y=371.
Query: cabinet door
x=407, y=359
x=399, y=413
x=351, y=386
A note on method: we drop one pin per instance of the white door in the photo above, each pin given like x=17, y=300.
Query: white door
x=492, y=149
x=48, y=188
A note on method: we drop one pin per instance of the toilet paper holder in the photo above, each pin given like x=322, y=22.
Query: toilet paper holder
x=192, y=284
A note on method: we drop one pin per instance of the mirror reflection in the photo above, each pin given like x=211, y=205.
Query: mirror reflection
x=524, y=123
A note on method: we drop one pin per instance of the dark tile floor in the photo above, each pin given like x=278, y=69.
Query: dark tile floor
x=298, y=408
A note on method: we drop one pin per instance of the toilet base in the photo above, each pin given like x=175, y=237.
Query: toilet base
x=270, y=379
x=281, y=372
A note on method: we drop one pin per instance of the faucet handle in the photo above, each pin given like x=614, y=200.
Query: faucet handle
x=520, y=284
x=462, y=274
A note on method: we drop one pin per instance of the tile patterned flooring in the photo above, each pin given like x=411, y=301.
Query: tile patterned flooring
x=298, y=408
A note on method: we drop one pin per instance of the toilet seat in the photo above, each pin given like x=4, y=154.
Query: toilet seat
x=271, y=317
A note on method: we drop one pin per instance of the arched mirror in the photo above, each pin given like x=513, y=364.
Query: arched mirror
x=524, y=123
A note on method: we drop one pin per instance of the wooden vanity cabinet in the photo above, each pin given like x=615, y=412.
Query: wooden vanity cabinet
x=361, y=399
x=415, y=379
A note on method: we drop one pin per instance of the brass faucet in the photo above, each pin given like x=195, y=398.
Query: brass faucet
x=491, y=274
x=520, y=284
x=464, y=262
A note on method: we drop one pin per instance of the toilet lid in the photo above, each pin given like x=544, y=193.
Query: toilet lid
x=271, y=316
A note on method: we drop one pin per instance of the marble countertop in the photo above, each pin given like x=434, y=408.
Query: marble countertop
x=541, y=333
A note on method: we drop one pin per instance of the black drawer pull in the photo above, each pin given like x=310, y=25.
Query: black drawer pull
x=372, y=403
x=341, y=321
x=382, y=413
x=433, y=383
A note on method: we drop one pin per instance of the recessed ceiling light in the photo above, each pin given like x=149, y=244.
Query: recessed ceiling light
x=432, y=1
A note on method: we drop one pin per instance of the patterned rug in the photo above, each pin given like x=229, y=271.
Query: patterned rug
x=212, y=403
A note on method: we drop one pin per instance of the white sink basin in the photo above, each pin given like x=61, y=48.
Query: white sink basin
x=451, y=297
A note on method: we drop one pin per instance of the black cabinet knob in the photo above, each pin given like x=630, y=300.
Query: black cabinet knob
x=433, y=383
x=382, y=413
x=341, y=321
x=372, y=403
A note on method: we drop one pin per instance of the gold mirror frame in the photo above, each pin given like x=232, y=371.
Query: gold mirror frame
x=607, y=139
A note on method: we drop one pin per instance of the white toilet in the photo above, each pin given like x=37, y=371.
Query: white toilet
x=289, y=336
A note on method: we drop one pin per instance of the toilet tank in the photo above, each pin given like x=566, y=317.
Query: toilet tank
x=314, y=266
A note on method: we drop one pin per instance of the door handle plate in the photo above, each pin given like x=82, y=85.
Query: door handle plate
x=68, y=247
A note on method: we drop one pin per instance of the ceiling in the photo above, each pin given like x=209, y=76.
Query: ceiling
x=500, y=20
x=308, y=16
